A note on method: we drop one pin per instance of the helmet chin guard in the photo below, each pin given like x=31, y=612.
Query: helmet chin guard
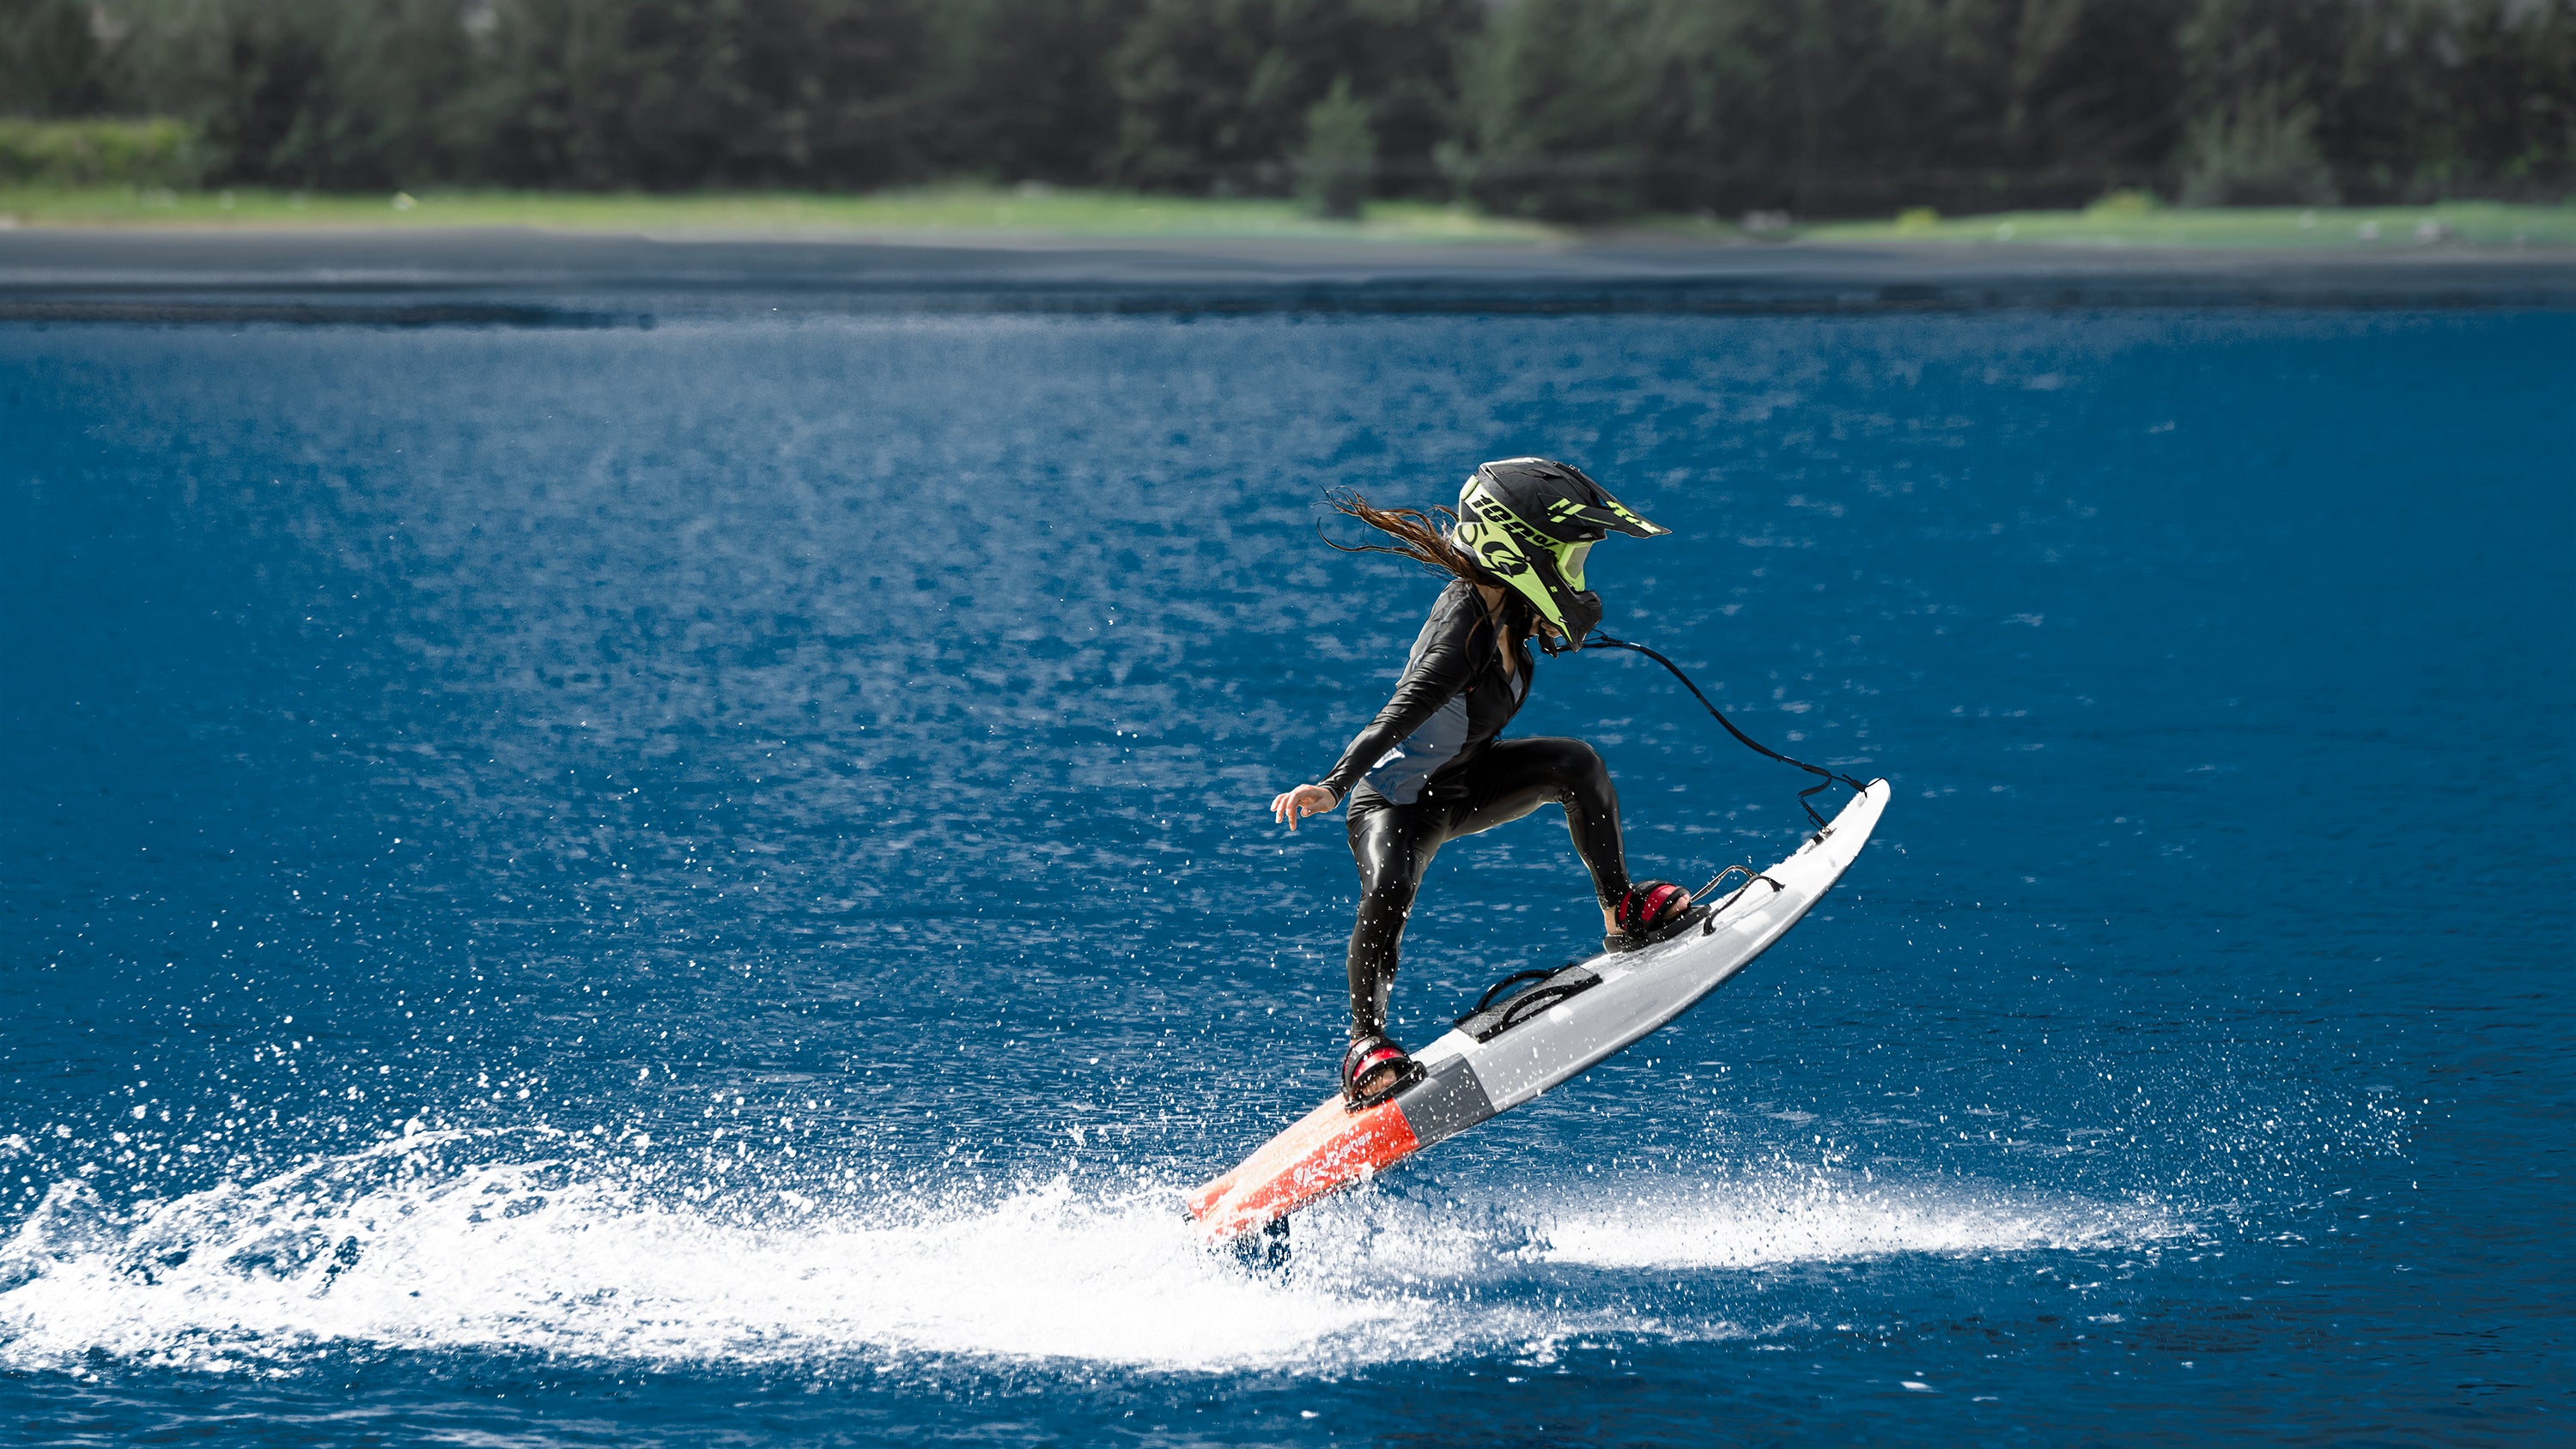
x=1582, y=616
x=1531, y=523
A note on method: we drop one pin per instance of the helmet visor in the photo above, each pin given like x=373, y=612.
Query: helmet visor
x=1569, y=564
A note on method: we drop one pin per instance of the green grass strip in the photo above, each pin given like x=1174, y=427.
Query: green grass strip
x=967, y=211
x=2124, y=222
x=944, y=210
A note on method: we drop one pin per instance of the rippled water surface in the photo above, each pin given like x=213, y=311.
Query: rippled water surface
x=709, y=884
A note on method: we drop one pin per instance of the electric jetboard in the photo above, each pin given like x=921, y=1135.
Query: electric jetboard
x=1533, y=1031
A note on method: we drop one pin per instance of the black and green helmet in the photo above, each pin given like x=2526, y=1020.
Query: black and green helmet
x=1530, y=522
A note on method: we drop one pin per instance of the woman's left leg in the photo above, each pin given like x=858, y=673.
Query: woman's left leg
x=1514, y=777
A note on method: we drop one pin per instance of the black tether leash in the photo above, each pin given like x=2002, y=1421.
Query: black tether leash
x=1599, y=640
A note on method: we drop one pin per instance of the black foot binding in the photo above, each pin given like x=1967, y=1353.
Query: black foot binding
x=1651, y=911
x=1374, y=1069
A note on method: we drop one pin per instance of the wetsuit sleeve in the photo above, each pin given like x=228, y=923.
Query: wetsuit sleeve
x=1442, y=663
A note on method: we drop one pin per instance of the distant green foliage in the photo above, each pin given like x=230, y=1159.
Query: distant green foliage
x=1562, y=105
x=94, y=153
x=316, y=93
x=1566, y=109
x=50, y=59
x=2305, y=100
x=2258, y=149
x=1334, y=171
x=677, y=93
x=1022, y=90
x=1586, y=108
x=1215, y=93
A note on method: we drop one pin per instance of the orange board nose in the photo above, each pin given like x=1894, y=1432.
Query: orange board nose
x=1330, y=1148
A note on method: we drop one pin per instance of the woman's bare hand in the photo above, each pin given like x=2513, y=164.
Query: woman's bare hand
x=1303, y=801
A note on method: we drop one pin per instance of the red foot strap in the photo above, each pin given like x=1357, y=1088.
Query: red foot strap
x=1648, y=904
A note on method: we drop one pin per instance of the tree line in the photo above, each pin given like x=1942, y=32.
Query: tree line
x=1569, y=109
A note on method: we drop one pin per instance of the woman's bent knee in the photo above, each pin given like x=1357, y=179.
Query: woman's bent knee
x=1579, y=768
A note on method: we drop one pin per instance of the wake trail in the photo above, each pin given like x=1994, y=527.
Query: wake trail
x=444, y=1241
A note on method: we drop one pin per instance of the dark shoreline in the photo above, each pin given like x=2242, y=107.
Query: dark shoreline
x=533, y=278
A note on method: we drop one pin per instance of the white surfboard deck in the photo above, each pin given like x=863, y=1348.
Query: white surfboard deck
x=1546, y=1033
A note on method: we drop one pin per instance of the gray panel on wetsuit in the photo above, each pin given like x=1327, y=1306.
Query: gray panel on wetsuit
x=1400, y=772
x=1447, y=1102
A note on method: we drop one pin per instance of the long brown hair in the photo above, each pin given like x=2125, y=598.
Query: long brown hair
x=1419, y=536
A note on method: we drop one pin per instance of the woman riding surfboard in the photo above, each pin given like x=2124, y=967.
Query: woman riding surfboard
x=1430, y=767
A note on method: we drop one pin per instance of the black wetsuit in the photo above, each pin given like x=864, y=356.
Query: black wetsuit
x=1429, y=769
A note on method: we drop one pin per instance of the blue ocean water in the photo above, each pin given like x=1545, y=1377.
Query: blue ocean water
x=710, y=884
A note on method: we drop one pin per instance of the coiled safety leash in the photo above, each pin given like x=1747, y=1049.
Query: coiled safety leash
x=1600, y=640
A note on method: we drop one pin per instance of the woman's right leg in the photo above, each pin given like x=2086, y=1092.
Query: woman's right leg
x=1393, y=844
